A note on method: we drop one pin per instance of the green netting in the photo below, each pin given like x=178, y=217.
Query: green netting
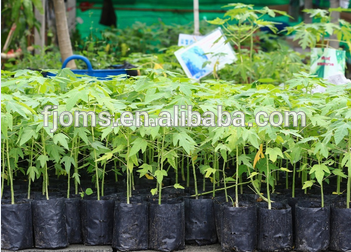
x=126, y=18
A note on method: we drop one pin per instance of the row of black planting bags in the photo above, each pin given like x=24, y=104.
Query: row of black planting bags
x=145, y=224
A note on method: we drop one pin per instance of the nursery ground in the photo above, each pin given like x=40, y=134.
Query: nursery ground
x=82, y=248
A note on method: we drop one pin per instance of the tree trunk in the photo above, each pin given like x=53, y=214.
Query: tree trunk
x=63, y=33
x=335, y=16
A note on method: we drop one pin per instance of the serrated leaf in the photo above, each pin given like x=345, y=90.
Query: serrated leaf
x=308, y=184
x=43, y=159
x=339, y=173
x=62, y=139
x=76, y=177
x=159, y=174
x=137, y=145
x=68, y=161
x=273, y=153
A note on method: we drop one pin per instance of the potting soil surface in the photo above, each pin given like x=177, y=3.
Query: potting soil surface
x=82, y=248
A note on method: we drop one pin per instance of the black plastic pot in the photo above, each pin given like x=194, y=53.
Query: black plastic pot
x=217, y=206
x=49, y=223
x=200, y=225
x=340, y=239
x=130, y=229
x=274, y=228
x=312, y=226
x=16, y=226
x=239, y=228
x=73, y=221
x=167, y=226
x=97, y=221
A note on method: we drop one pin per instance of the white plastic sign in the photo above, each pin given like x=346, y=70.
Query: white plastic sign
x=202, y=57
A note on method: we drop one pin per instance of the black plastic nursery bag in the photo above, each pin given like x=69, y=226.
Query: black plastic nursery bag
x=16, y=226
x=49, y=223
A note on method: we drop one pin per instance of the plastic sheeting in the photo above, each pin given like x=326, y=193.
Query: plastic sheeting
x=200, y=225
x=312, y=226
x=73, y=221
x=49, y=223
x=340, y=239
x=130, y=229
x=167, y=226
x=275, y=228
x=239, y=228
x=16, y=226
x=97, y=221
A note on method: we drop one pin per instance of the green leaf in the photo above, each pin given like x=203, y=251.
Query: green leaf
x=218, y=21
x=178, y=186
x=68, y=161
x=159, y=174
x=137, y=145
x=341, y=132
x=253, y=174
x=105, y=132
x=339, y=173
x=32, y=171
x=82, y=133
x=185, y=141
x=28, y=11
x=319, y=171
x=107, y=156
x=62, y=139
x=16, y=5
x=209, y=172
x=88, y=191
x=76, y=177
x=43, y=159
x=285, y=169
x=153, y=191
x=307, y=184
x=229, y=179
x=38, y=4
x=273, y=153
x=145, y=168
x=203, y=168
x=28, y=133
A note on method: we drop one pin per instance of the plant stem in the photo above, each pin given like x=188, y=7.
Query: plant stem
x=225, y=183
x=322, y=195
x=30, y=165
x=187, y=173
x=237, y=178
x=128, y=172
x=103, y=173
x=46, y=180
x=195, y=180
x=96, y=168
x=176, y=170
x=161, y=164
x=10, y=171
x=220, y=189
x=183, y=172
x=69, y=172
x=267, y=182
x=348, y=189
x=293, y=183
x=76, y=166
x=3, y=171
